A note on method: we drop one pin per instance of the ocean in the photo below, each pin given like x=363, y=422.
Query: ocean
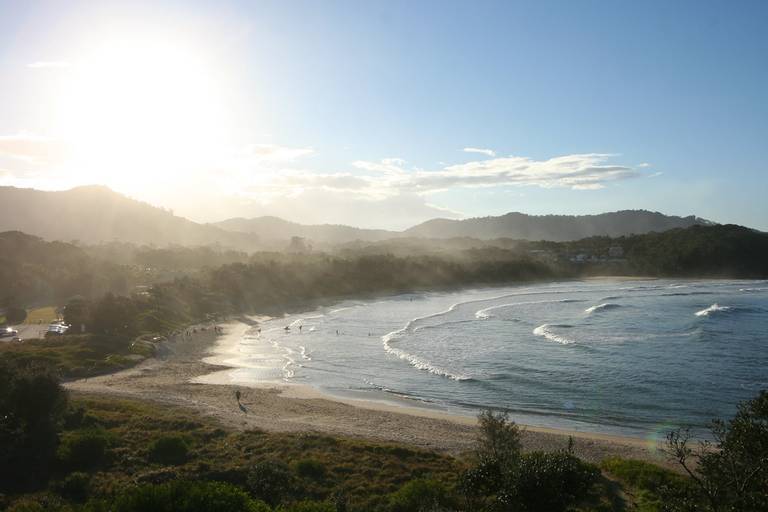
x=625, y=357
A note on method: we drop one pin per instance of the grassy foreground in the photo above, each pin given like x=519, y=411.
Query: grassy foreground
x=109, y=447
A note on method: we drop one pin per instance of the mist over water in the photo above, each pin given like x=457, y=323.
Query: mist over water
x=625, y=357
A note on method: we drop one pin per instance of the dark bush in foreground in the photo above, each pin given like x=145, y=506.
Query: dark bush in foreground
x=84, y=449
x=169, y=450
x=270, y=481
x=74, y=487
x=732, y=474
x=420, y=495
x=187, y=496
x=310, y=468
x=550, y=482
x=32, y=405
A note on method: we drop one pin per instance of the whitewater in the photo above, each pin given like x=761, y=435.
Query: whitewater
x=614, y=356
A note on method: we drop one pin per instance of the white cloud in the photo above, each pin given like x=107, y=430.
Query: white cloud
x=487, y=152
x=32, y=148
x=48, y=64
x=643, y=165
x=276, y=153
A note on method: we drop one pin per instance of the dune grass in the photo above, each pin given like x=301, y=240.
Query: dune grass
x=74, y=356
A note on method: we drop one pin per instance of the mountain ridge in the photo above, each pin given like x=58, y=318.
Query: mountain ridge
x=96, y=213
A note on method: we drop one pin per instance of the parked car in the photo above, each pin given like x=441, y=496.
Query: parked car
x=16, y=339
x=6, y=332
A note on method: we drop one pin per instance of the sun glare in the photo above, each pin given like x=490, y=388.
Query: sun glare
x=138, y=108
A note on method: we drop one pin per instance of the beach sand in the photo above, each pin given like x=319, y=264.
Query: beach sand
x=283, y=407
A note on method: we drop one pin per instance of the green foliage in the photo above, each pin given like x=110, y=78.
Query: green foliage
x=310, y=468
x=84, y=449
x=74, y=487
x=187, y=496
x=15, y=315
x=732, y=475
x=169, y=450
x=422, y=495
x=498, y=439
x=270, y=481
x=308, y=506
x=32, y=406
x=550, y=482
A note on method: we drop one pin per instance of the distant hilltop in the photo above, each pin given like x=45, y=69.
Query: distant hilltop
x=95, y=214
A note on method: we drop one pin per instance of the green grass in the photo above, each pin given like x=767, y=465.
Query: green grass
x=642, y=481
x=44, y=315
x=365, y=472
x=74, y=356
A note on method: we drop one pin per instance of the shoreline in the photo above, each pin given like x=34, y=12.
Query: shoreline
x=287, y=407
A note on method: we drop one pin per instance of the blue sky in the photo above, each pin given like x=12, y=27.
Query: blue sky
x=360, y=112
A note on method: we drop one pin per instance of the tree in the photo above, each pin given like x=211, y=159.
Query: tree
x=77, y=312
x=731, y=473
x=32, y=405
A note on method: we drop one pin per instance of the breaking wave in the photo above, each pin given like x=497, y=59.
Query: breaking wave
x=546, y=331
x=714, y=309
x=602, y=307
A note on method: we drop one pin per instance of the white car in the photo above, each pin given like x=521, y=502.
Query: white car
x=4, y=333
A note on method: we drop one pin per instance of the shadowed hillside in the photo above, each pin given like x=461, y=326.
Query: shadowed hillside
x=557, y=228
x=96, y=214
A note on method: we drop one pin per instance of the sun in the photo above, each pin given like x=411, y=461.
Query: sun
x=138, y=109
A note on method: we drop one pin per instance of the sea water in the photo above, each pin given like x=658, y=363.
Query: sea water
x=612, y=356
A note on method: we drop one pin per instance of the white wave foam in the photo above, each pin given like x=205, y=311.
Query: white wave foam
x=753, y=290
x=546, y=331
x=485, y=314
x=414, y=360
x=602, y=307
x=714, y=309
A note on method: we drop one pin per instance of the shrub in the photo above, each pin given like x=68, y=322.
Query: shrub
x=84, y=449
x=32, y=405
x=74, y=487
x=187, y=496
x=308, y=506
x=549, y=482
x=169, y=450
x=498, y=440
x=418, y=496
x=270, y=481
x=310, y=468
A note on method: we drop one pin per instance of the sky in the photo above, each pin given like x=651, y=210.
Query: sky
x=385, y=114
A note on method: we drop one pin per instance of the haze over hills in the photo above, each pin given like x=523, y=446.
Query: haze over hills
x=556, y=228
x=95, y=214
x=518, y=226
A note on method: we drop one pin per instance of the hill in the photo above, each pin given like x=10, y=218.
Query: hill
x=274, y=228
x=95, y=214
x=557, y=228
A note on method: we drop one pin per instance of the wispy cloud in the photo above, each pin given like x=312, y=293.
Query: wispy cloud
x=48, y=64
x=488, y=152
x=32, y=148
x=277, y=153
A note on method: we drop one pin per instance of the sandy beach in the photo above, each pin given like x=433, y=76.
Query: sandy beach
x=284, y=407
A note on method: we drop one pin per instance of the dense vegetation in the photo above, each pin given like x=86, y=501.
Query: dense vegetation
x=95, y=454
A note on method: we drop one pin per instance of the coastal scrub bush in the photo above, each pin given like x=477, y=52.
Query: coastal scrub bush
x=420, y=495
x=84, y=449
x=187, y=496
x=169, y=450
x=310, y=468
x=74, y=486
x=732, y=472
x=550, y=482
x=498, y=439
x=32, y=407
x=270, y=481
